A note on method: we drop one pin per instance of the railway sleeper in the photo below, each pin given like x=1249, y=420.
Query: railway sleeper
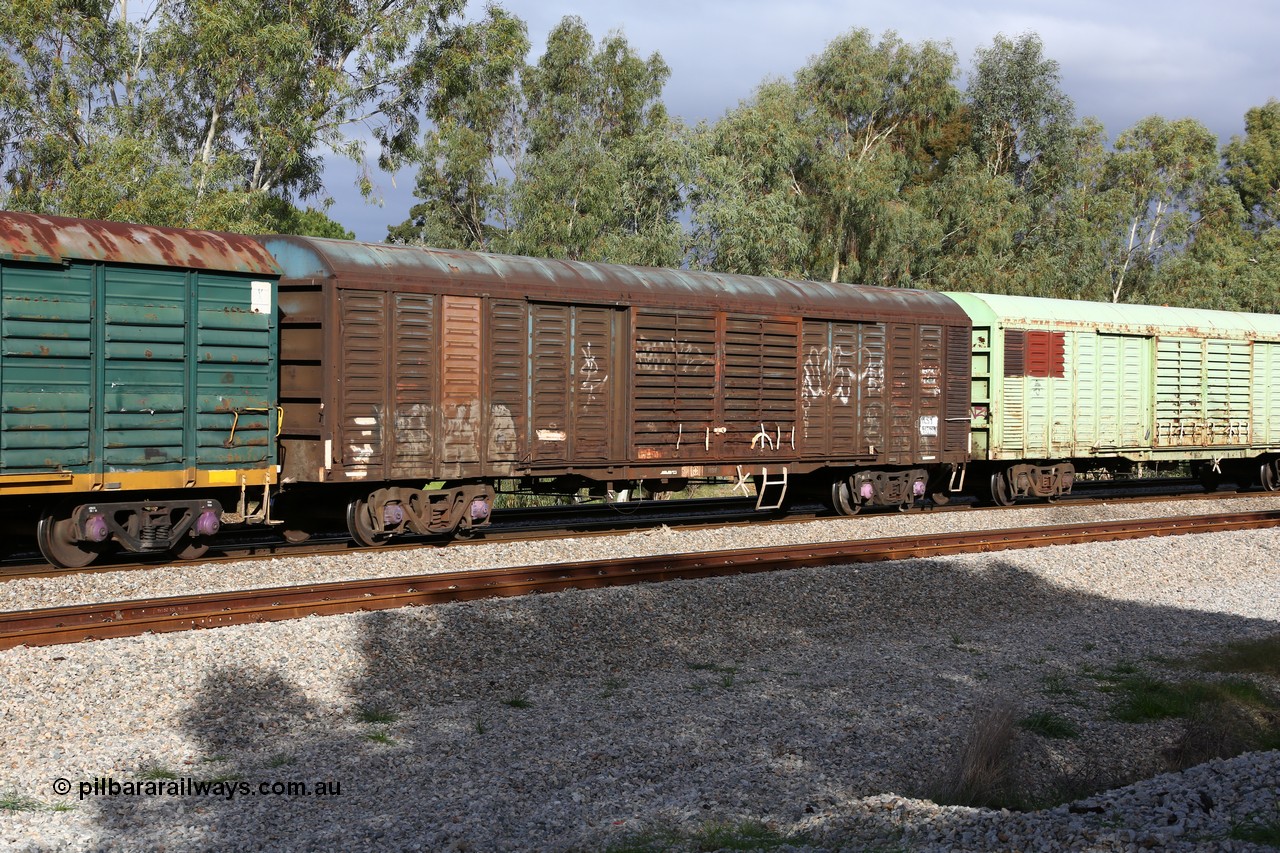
x=75, y=538
x=397, y=510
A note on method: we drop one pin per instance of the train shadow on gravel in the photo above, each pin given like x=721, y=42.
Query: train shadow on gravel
x=641, y=715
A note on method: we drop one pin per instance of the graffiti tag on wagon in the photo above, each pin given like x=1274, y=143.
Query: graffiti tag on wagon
x=669, y=356
x=593, y=378
x=828, y=372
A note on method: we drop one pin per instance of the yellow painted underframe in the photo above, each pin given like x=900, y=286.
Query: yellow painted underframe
x=60, y=482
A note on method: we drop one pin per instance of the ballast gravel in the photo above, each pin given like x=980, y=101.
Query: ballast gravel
x=826, y=706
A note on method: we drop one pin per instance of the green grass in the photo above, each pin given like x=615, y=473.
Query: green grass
x=155, y=771
x=1050, y=725
x=380, y=737
x=518, y=702
x=1262, y=832
x=1143, y=698
x=15, y=802
x=377, y=715
x=1261, y=656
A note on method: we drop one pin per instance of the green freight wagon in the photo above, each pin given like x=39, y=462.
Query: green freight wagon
x=138, y=384
x=1061, y=386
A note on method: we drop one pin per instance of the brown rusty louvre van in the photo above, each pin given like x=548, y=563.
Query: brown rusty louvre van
x=403, y=366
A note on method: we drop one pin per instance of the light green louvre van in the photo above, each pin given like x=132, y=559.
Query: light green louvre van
x=1062, y=386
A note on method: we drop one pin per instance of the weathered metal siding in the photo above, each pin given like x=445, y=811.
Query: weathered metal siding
x=674, y=376
x=616, y=371
x=462, y=419
x=1265, y=428
x=1203, y=392
x=151, y=374
x=46, y=368
x=759, y=385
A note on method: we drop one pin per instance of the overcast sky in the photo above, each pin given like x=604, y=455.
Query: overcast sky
x=1120, y=61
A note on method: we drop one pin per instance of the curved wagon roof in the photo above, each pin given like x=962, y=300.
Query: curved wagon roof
x=1116, y=318
x=378, y=265
x=55, y=239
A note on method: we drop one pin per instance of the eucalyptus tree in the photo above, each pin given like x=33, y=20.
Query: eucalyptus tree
x=573, y=156
x=273, y=85
x=1159, y=169
x=603, y=166
x=746, y=194
x=1253, y=164
x=1022, y=122
x=872, y=109
x=473, y=143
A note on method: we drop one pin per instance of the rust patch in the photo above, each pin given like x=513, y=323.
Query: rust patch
x=57, y=238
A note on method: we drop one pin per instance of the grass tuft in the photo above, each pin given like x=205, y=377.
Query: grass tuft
x=982, y=774
x=518, y=702
x=377, y=715
x=1050, y=725
x=155, y=772
x=15, y=802
x=1261, y=656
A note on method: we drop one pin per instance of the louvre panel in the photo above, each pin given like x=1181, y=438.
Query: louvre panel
x=549, y=376
x=508, y=386
x=140, y=377
x=1045, y=353
x=1084, y=361
x=1015, y=352
x=759, y=384
x=1180, y=403
x=1134, y=364
x=593, y=357
x=929, y=417
x=674, y=385
x=1266, y=395
x=902, y=376
x=364, y=378
x=460, y=411
x=46, y=371
x=1062, y=398
x=414, y=352
x=1228, y=365
x=872, y=357
x=957, y=389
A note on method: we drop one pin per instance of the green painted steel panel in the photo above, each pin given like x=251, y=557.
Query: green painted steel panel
x=135, y=386
x=236, y=376
x=143, y=377
x=46, y=372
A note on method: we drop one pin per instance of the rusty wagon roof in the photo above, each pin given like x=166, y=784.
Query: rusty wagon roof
x=312, y=258
x=54, y=239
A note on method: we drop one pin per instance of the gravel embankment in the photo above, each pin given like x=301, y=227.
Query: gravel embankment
x=828, y=703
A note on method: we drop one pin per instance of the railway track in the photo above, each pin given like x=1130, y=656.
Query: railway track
x=54, y=626
x=558, y=522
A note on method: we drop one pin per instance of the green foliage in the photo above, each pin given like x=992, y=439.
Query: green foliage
x=1050, y=725
x=1260, y=656
x=572, y=157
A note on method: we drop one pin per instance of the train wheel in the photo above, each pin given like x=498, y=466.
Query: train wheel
x=842, y=498
x=361, y=526
x=188, y=549
x=1000, y=489
x=1268, y=476
x=55, y=536
x=1210, y=479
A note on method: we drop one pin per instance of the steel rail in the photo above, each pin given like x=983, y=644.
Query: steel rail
x=52, y=626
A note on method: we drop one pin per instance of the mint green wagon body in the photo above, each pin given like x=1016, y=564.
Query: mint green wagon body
x=1062, y=380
